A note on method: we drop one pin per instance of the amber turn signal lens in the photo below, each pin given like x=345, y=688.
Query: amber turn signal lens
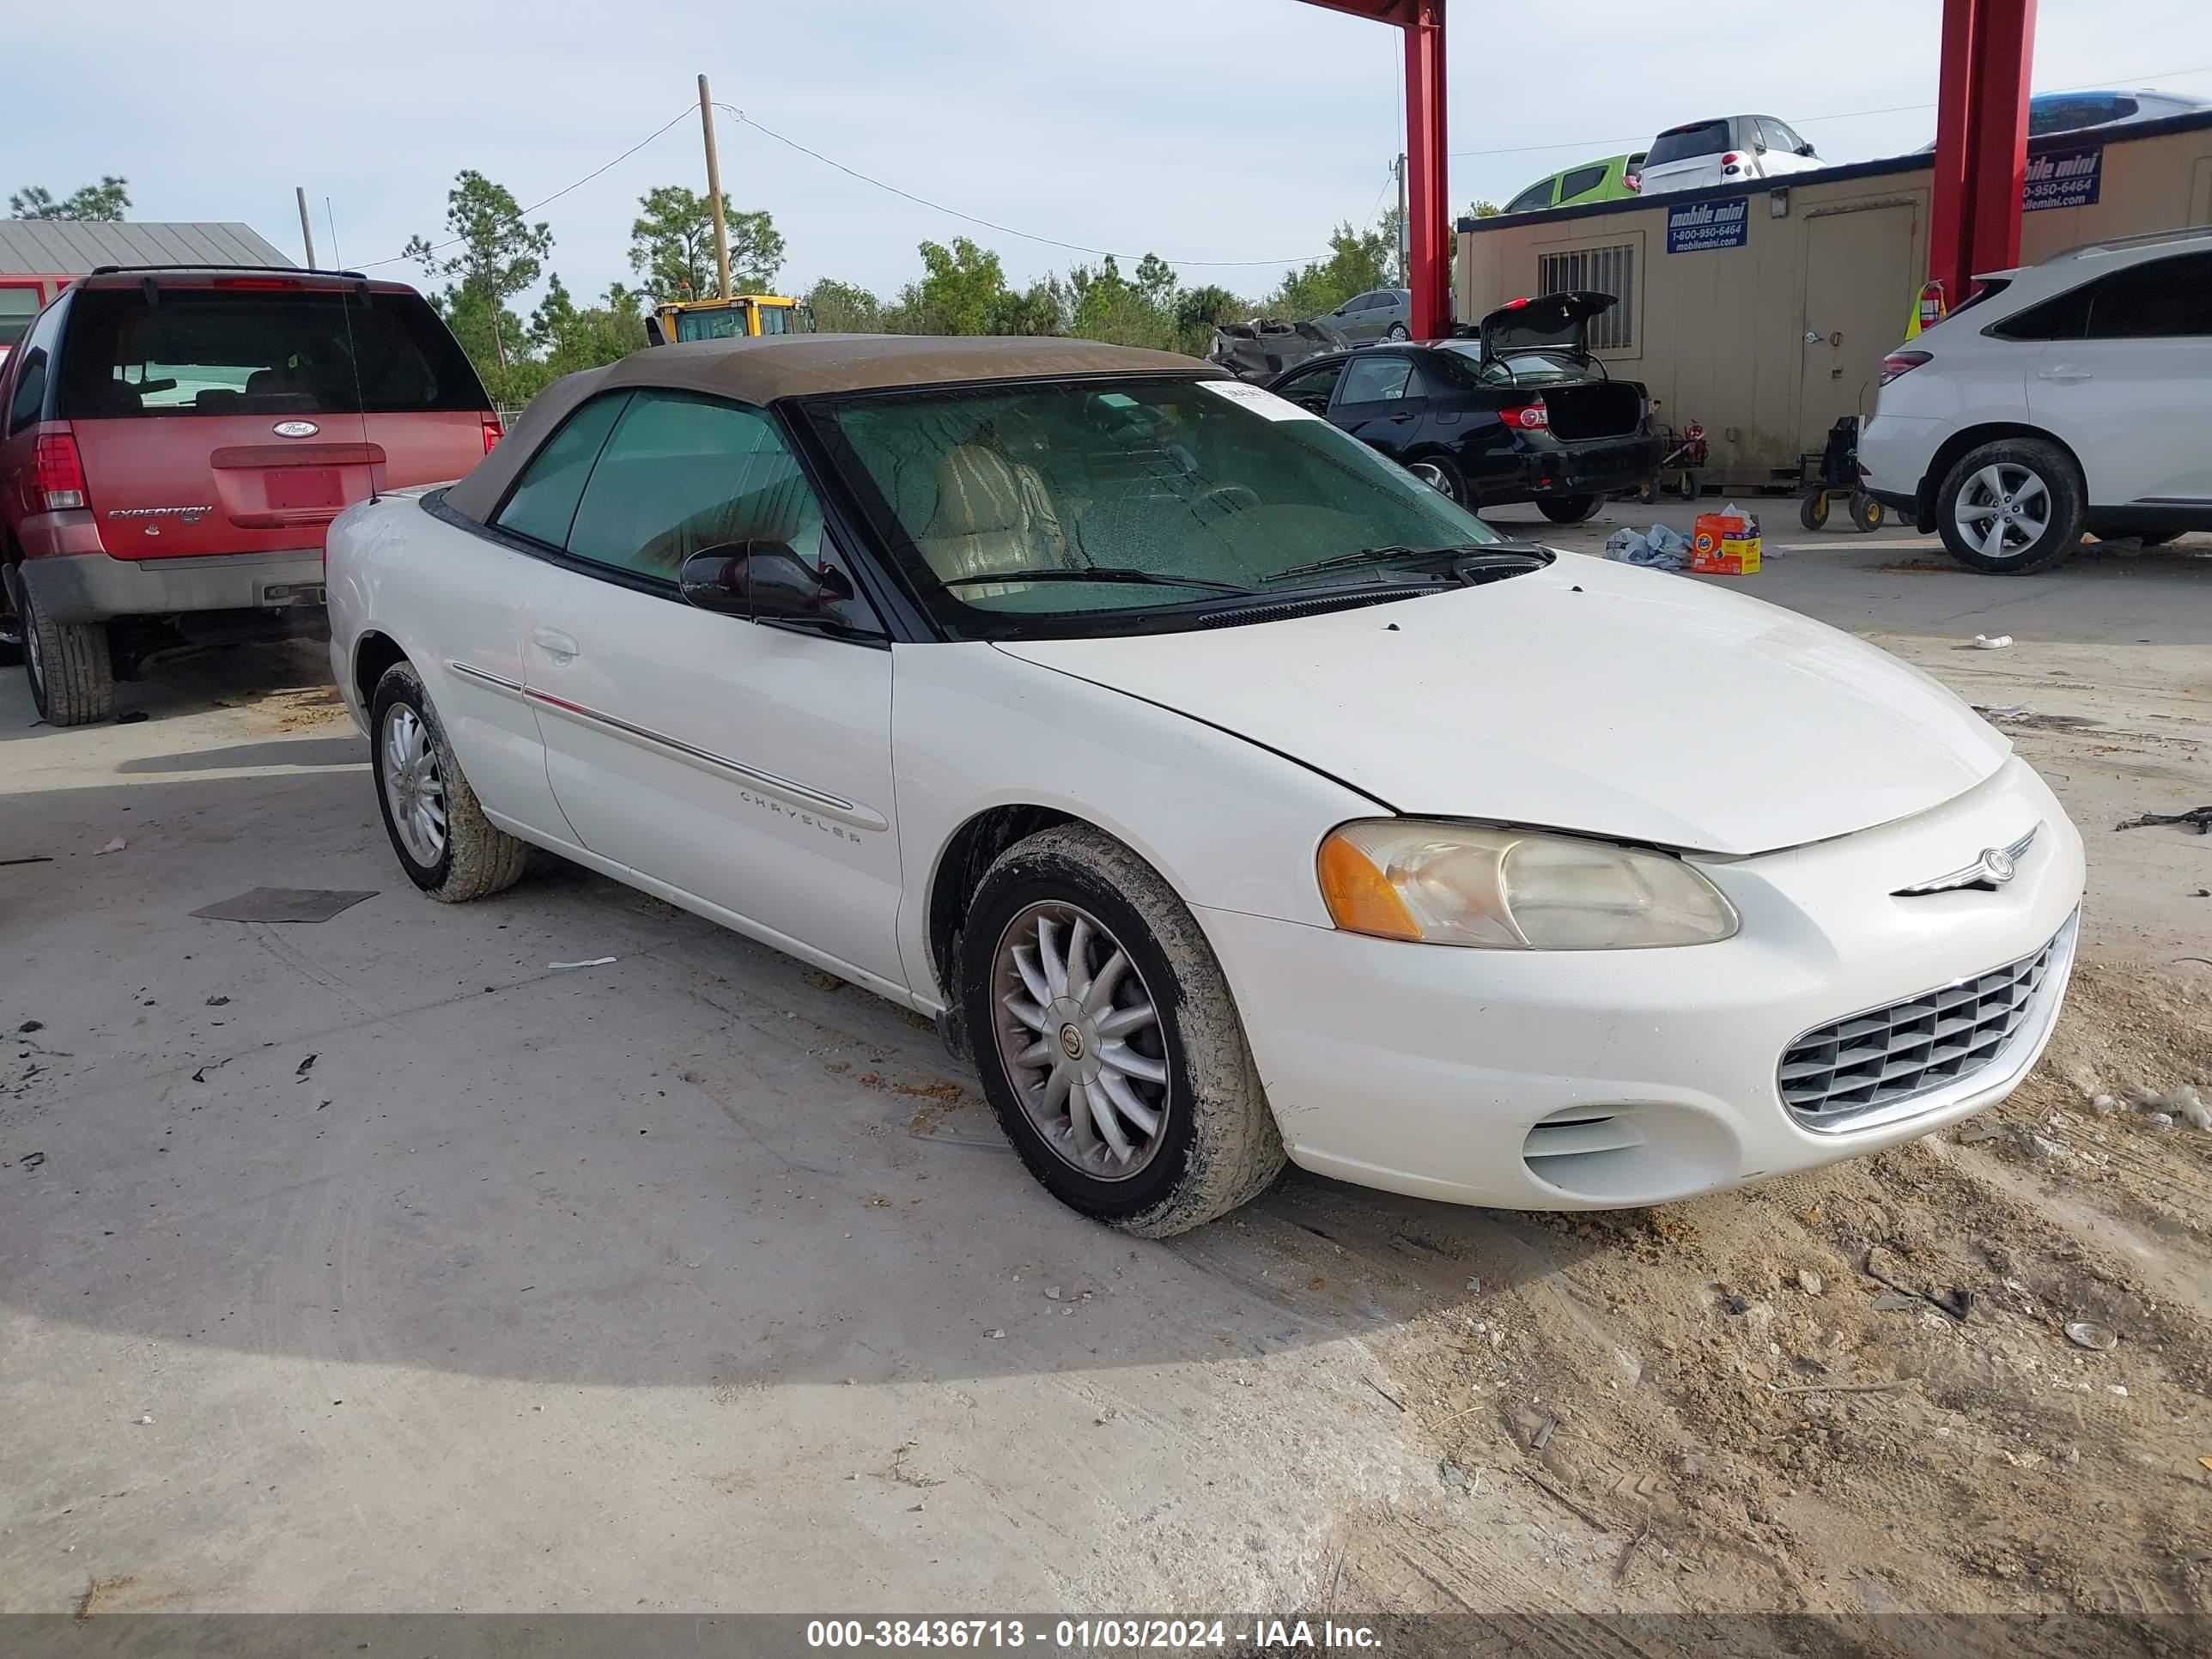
x=1359, y=896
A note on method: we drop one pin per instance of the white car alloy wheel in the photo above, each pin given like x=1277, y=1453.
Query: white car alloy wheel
x=2003, y=511
x=414, y=785
x=1080, y=1038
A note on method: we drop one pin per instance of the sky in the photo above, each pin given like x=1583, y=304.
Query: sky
x=1228, y=136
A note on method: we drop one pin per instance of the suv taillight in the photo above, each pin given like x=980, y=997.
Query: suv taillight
x=493, y=432
x=56, y=474
x=1902, y=362
x=1527, y=417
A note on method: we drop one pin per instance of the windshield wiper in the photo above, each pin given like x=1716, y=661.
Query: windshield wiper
x=1374, y=556
x=1092, y=573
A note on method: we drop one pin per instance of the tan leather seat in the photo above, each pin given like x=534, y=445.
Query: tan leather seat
x=991, y=515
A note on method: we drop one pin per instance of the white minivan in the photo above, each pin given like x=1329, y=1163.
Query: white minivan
x=1726, y=149
x=2069, y=396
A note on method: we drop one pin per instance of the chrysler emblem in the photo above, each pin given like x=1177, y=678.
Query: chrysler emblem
x=295, y=428
x=1998, y=864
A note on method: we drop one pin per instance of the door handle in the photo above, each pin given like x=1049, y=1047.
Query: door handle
x=2065, y=372
x=554, y=643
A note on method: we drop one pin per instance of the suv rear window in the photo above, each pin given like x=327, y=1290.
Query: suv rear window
x=217, y=351
x=1681, y=143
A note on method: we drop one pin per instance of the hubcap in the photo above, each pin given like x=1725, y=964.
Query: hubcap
x=1080, y=1039
x=1431, y=475
x=414, y=788
x=2003, y=511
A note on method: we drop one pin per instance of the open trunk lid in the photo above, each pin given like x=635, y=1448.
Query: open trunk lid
x=1555, y=324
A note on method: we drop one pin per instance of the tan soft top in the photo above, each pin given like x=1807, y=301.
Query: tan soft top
x=759, y=371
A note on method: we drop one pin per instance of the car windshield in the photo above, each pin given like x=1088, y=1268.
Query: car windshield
x=1179, y=493
x=1682, y=143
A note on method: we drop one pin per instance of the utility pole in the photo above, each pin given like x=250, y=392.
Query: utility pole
x=714, y=190
x=306, y=230
x=1399, y=167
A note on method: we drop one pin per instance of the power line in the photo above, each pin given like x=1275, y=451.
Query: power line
x=1840, y=115
x=436, y=247
x=988, y=224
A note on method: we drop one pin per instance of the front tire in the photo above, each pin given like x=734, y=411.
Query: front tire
x=1397, y=332
x=446, y=846
x=1107, y=1039
x=71, y=672
x=2011, y=506
x=1570, y=509
x=1812, y=511
x=1441, y=476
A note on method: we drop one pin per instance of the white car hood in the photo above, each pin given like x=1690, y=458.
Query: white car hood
x=1588, y=696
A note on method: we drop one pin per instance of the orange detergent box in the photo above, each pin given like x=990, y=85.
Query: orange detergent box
x=1725, y=543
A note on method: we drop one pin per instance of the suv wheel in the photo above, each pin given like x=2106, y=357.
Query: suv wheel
x=1107, y=1041
x=448, y=846
x=1570, y=509
x=72, y=676
x=2011, y=507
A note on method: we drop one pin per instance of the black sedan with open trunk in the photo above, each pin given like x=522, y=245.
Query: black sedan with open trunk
x=1519, y=410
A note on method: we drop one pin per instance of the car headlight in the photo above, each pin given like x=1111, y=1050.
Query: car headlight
x=1508, y=889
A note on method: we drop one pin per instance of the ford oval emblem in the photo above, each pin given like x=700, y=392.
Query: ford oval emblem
x=295, y=428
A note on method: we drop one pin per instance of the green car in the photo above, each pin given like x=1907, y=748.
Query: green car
x=1611, y=180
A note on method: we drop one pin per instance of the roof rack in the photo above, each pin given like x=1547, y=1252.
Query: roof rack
x=2143, y=239
x=201, y=264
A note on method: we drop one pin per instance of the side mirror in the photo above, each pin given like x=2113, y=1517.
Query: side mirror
x=652, y=332
x=765, y=581
x=1805, y=150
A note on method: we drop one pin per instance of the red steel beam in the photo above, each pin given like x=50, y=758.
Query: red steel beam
x=1427, y=216
x=1981, y=140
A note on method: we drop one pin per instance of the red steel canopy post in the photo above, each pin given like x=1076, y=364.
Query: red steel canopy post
x=1426, y=213
x=1981, y=140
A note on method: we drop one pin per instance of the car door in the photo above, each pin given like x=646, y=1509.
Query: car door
x=1311, y=388
x=1379, y=401
x=2132, y=395
x=1362, y=317
x=744, y=763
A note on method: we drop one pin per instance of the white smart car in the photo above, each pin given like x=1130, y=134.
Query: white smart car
x=2072, y=395
x=1227, y=794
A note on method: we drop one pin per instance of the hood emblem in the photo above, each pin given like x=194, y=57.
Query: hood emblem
x=295, y=428
x=1994, y=867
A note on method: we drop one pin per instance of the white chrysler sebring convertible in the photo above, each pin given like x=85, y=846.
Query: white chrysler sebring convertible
x=1224, y=793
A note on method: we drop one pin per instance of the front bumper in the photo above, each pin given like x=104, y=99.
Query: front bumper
x=83, y=586
x=1596, y=1079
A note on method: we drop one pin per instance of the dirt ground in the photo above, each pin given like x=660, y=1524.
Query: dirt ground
x=609, y=1293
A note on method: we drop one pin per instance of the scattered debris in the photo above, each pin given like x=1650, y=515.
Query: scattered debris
x=995, y=1335
x=2087, y=1333
x=2103, y=1105
x=1974, y=1133
x=2007, y=715
x=1385, y=1393
x=306, y=1066
x=1991, y=641
x=2198, y=816
x=1474, y=1285
x=283, y=904
x=1838, y=1388
x=218, y=1002
x=145, y=1417
x=115, y=846
x=31, y=858
x=1052, y=1294
x=595, y=961
x=31, y=1026
x=1810, y=1282
x=31, y=1160
x=1542, y=1438
x=1452, y=1475
x=133, y=717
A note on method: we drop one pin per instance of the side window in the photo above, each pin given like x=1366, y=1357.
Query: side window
x=1529, y=200
x=1377, y=380
x=681, y=474
x=2161, y=299
x=1581, y=178
x=543, y=504
x=2065, y=318
x=1311, y=388
x=30, y=392
x=1783, y=137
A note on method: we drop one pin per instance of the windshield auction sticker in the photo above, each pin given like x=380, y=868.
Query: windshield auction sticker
x=1259, y=401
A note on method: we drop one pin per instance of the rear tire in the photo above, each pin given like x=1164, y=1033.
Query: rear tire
x=72, y=676
x=1570, y=509
x=2040, y=483
x=1687, y=486
x=1441, y=476
x=449, y=849
x=1397, y=332
x=1211, y=1144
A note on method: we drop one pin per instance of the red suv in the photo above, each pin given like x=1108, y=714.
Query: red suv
x=173, y=443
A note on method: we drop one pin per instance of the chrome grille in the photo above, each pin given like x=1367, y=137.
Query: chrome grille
x=1836, y=1075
